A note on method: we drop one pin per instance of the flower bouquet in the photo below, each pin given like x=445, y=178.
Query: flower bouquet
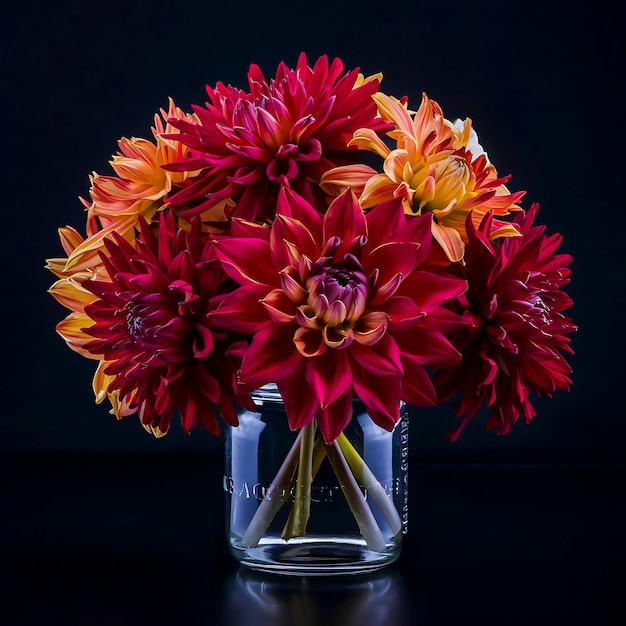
x=317, y=235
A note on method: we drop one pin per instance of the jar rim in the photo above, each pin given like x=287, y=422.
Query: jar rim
x=269, y=393
x=266, y=393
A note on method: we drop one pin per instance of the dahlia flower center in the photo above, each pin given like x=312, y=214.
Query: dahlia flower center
x=135, y=319
x=452, y=178
x=338, y=293
x=269, y=133
x=167, y=324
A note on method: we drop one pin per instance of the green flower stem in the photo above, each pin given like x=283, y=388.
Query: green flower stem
x=277, y=494
x=319, y=454
x=301, y=509
x=371, y=484
x=363, y=515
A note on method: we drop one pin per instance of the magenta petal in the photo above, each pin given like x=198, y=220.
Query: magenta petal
x=384, y=219
x=417, y=388
x=344, y=219
x=272, y=355
x=241, y=228
x=300, y=401
x=402, y=311
x=310, y=150
x=248, y=203
x=419, y=229
x=288, y=229
x=380, y=394
x=279, y=307
x=292, y=205
x=247, y=260
x=329, y=375
x=382, y=358
x=391, y=259
x=333, y=419
x=309, y=342
x=427, y=347
x=242, y=310
x=246, y=175
x=203, y=343
x=429, y=290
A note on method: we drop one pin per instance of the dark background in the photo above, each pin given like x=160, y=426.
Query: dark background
x=539, y=80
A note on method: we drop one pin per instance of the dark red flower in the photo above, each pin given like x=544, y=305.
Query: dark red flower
x=285, y=132
x=152, y=329
x=337, y=306
x=518, y=339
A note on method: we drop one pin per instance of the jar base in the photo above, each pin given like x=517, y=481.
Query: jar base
x=311, y=556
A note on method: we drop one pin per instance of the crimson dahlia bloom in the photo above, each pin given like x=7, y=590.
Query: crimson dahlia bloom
x=152, y=330
x=338, y=306
x=287, y=131
x=518, y=337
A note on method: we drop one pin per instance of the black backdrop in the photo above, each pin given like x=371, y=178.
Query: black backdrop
x=538, y=81
x=511, y=530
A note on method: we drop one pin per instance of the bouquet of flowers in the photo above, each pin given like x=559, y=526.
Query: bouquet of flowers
x=316, y=233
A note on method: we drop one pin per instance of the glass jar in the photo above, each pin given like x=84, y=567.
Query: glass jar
x=295, y=505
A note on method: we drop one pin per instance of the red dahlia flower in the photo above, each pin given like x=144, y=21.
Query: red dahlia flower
x=287, y=131
x=518, y=338
x=152, y=329
x=338, y=307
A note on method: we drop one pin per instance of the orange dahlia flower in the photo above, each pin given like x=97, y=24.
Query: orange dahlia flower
x=140, y=187
x=436, y=167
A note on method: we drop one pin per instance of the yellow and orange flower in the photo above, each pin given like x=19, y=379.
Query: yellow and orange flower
x=68, y=290
x=141, y=186
x=436, y=167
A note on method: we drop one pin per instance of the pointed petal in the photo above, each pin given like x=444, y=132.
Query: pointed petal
x=377, y=189
x=417, y=388
x=344, y=219
x=429, y=291
x=339, y=179
x=380, y=394
x=426, y=347
x=247, y=260
x=333, y=419
x=450, y=240
x=403, y=312
x=381, y=358
x=367, y=139
x=279, y=307
x=301, y=403
x=384, y=219
x=294, y=206
x=242, y=310
x=329, y=376
x=272, y=355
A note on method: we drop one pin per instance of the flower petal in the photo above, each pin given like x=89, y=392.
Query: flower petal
x=329, y=376
x=301, y=403
x=381, y=358
x=272, y=356
x=334, y=418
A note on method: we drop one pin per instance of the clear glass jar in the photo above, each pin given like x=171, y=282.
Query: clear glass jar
x=355, y=512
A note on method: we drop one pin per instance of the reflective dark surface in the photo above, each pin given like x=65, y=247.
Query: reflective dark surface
x=91, y=542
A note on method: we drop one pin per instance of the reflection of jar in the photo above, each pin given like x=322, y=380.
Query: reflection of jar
x=378, y=599
x=357, y=510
